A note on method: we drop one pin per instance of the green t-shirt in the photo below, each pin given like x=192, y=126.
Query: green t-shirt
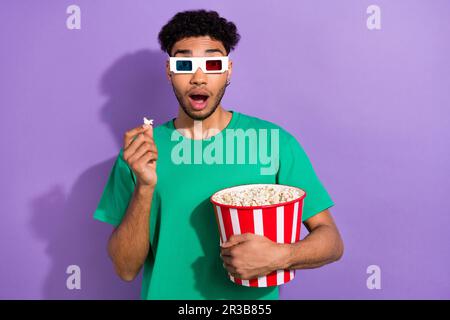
x=184, y=261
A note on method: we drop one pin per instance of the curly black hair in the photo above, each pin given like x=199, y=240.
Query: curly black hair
x=197, y=23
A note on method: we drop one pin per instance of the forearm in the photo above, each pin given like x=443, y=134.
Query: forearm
x=322, y=246
x=129, y=244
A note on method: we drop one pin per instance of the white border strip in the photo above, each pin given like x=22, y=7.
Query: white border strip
x=235, y=221
x=222, y=228
x=294, y=224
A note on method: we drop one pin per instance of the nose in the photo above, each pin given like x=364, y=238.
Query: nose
x=198, y=77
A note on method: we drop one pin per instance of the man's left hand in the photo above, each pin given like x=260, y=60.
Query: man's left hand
x=248, y=256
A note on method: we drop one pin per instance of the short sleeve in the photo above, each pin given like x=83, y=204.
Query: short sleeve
x=296, y=170
x=117, y=193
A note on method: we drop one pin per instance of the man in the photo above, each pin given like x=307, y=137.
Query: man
x=158, y=192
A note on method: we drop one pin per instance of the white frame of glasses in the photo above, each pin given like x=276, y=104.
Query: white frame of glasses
x=198, y=62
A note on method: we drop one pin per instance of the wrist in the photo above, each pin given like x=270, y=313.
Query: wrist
x=285, y=258
x=144, y=188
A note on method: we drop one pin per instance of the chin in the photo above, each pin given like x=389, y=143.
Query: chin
x=199, y=114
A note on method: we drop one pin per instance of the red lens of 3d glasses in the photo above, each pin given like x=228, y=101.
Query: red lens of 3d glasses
x=212, y=65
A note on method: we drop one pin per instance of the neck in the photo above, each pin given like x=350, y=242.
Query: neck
x=202, y=129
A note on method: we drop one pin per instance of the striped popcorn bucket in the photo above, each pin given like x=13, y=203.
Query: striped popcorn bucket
x=279, y=222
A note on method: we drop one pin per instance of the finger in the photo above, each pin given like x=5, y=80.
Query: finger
x=234, y=239
x=131, y=149
x=140, y=164
x=144, y=147
x=138, y=140
x=237, y=238
x=227, y=244
x=229, y=267
x=147, y=158
x=148, y=131
x=129, y=135
x=225, y=252
x=141, y=150
x=227, y=260
x=151, y=141
x=136, y=143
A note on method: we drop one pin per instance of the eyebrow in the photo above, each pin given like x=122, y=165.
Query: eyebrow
x=187, y=51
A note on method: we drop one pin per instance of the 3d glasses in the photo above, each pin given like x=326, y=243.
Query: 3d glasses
x=191, y=64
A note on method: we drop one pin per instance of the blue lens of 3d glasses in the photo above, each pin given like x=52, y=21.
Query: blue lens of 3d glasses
x=184, y=65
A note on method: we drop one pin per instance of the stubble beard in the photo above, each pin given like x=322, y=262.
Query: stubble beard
x=194, y=116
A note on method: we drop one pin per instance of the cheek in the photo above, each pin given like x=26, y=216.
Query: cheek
x=216, y=83
x=180, y=84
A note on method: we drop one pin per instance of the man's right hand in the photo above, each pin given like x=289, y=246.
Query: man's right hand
x=141, y=154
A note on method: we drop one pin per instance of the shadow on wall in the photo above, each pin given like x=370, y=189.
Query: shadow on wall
x=135, y=86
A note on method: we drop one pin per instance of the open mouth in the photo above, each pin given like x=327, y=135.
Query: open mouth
x=198, y=101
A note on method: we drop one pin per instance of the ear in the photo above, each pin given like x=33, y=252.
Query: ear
x=230, y=69
x=168, y=73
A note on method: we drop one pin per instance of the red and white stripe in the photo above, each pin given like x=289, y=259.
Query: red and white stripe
x=279, y=224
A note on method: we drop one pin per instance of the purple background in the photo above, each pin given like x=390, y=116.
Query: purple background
x=371, y=109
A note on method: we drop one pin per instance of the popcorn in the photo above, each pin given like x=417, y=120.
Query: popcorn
x=257, y=195
x=147, y=121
